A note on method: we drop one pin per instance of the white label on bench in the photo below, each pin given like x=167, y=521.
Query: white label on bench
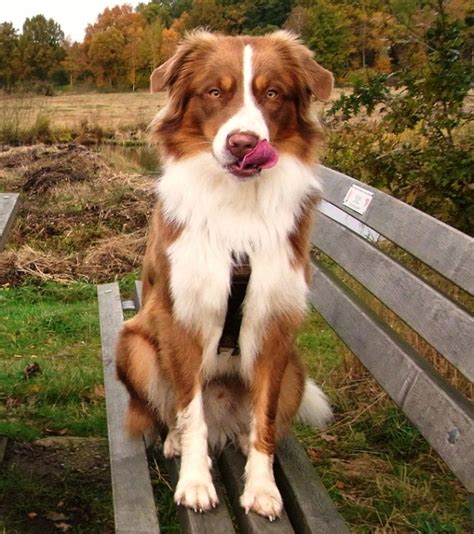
x=358, y=199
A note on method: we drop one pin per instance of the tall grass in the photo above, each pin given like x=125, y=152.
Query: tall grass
x=22, y=121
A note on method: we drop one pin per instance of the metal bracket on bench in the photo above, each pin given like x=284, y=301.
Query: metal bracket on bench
x=128, y=305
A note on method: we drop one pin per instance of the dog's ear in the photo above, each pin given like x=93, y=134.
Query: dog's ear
x=193, y=45
x=158, y=77
x=320, y=81
x=316, y=80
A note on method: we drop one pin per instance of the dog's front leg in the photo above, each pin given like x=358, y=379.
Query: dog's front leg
x=183, y=361
x=261, y=493
x=195, y=488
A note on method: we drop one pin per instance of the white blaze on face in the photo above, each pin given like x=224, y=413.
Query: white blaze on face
x=249, y=118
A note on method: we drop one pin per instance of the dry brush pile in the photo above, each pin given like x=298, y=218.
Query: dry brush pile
x=78, y=220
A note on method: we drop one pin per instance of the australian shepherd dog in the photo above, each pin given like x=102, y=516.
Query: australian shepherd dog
x=211, y=355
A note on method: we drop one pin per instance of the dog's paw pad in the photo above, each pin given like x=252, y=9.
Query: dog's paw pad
x=172, y=445
x=196, y=495
x=264, y=500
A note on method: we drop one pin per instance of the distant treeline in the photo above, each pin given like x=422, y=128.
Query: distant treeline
x=353, y=38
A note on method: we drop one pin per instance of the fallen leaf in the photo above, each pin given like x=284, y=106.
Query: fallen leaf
x=32, y=515
x=11, y=402
x=63, y=527
x=31, y=369
x=328, y=438
x=55, y=516
x=340, y=484
x=56, y=432
x=99, y=390
x=34, y=388
x=314, y=454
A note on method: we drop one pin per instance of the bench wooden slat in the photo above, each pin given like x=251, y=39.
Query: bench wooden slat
x=446, y=326
x=9, y=204
x=232, y=464
x=307, y=501
x=445, y=249
x=134, y=504
x=217, y=520
x=443, y=415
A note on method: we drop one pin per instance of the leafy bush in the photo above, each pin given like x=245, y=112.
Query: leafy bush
x=419, y=148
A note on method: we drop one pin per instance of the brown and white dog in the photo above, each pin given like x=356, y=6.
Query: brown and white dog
x=238, y=144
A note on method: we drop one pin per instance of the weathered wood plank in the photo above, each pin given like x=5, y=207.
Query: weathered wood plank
x=134, y=505
x=212, y=522
x=9, y=204
x=443, y=416
x=446, y=326
x=307, y=501
x=232, y=463
x=445, y=249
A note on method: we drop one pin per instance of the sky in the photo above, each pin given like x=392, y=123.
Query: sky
x=73, y=16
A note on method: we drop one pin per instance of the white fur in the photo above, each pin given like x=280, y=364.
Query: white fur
x=195, y=488
x=314, y=409
x=221, y=216
x=248, y=119
x=260, y=492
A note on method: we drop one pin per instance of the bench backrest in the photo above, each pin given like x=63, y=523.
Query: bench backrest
x=350, y=221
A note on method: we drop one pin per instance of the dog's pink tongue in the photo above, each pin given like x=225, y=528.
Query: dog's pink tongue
x=263, y=155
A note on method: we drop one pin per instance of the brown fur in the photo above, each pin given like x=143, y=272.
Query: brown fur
x=154, y=342
x=206, y=61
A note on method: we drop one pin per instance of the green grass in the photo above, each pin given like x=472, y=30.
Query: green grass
x=55, y=327
x=376, y=465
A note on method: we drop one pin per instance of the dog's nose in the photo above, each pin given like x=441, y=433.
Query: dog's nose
x=239, y=144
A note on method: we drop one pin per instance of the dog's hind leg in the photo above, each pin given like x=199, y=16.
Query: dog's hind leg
x=137, y=368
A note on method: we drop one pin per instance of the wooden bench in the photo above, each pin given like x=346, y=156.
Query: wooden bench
x=349, y=222
x=9, y=204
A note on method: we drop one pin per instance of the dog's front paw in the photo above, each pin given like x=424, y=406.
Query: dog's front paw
x=172, y=445
x=264, y=499
x=198, y=495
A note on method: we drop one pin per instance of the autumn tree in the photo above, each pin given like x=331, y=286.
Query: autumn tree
x=115, y=46
x=106, y=56
x=8, y=55
x=75, y=62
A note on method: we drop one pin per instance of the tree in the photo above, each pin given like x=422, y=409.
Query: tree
x=114, y=46
x=8, y=55
x=326, y=31
x=41, y=48
x=152, y=43
x=106, y=56
x=75, y=63
x=262, y=16
x=419, y=151
x=205, y=14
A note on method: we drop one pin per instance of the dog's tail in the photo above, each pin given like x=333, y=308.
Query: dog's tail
x=314, y=409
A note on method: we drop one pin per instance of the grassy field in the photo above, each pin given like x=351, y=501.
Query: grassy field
x=89, y=116
x=115, y=110
x=83, y=219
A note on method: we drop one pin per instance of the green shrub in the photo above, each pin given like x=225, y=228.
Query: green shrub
x=419, y=147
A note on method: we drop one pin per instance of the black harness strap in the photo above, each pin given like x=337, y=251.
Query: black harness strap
x=229, y=342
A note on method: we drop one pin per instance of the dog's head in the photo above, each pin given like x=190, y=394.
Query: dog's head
x=245, y=100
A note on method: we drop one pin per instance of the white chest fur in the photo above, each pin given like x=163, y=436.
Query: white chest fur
x=222, y=216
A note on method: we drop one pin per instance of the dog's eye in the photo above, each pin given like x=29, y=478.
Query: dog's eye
x=214, y=92
x=272, y=93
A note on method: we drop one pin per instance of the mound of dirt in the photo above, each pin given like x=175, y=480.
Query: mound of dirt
x=79, y=219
